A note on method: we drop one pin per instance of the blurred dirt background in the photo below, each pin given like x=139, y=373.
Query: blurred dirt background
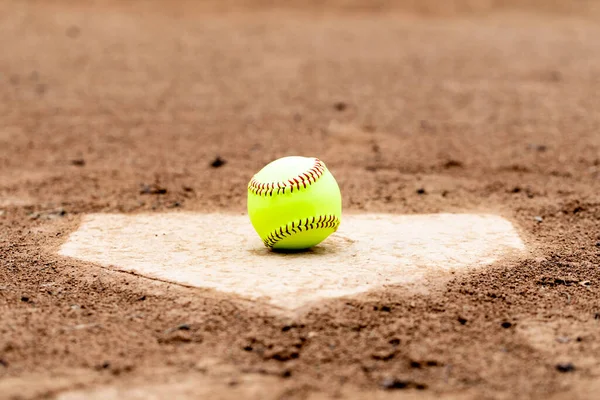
x=416, y=107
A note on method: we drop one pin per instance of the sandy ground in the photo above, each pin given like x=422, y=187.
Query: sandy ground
x=157, y=106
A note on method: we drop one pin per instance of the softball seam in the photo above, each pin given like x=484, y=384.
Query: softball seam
x=302, y=225
x=303, y=180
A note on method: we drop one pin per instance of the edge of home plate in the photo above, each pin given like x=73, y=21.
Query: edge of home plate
x=224, y=253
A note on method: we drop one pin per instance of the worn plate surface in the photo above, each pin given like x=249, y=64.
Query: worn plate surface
x=224, y=253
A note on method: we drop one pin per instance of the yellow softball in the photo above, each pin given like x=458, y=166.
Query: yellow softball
x=294, y=203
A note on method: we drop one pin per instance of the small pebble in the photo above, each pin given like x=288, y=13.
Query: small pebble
x=538, y=218
x=154, y=189
x=50, y=214
x=182, y=327
x=340, y=106
x=538, y=147
x=392, y=383
x=218, y=162
x=565, y=367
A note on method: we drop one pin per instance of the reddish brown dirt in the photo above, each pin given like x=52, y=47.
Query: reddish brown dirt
x=123, y=107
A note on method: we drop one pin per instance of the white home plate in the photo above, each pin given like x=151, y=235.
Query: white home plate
x=222, y=252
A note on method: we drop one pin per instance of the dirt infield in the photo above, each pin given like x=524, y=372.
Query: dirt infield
x=417, y=107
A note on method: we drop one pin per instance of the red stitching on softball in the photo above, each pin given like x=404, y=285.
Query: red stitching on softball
x=303, y=180
x=323, y=221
